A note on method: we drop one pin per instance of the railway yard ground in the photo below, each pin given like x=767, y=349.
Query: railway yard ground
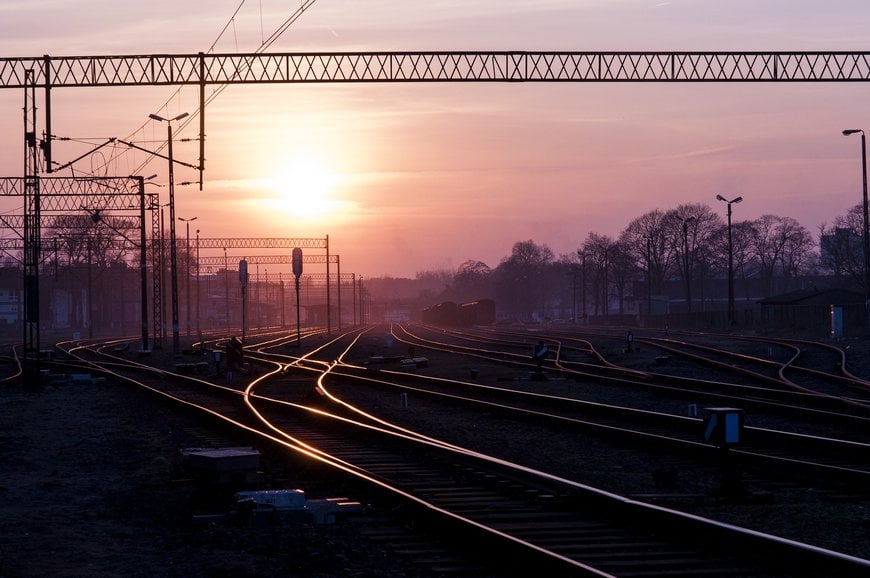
x=90, y=483
x=89, y=486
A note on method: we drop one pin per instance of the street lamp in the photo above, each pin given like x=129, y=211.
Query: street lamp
x=198, y=291
x=187, y=268
x=730, y=258
x=173, y=257
x=847, y=132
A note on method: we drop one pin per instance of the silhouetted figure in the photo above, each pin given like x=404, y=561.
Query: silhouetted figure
x=235, y=356
x=540, y=354
x=629, y=341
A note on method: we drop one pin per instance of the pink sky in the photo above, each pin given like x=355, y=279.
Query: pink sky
x=427, y=176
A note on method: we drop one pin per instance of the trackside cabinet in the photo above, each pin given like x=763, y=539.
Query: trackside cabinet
x=723, y=426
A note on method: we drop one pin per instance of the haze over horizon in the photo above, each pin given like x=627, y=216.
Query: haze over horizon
x=413, y=177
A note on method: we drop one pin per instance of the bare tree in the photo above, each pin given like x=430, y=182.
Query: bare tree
x=624, y=270
x=95, y=248
x=522, y=278
x=647, y=240
x=745, y=263
x=798, y=255
x=841, y=247
x=691, y=229
x=472, y=280
x=598, y=253
x=777, y=244
x=104, y=240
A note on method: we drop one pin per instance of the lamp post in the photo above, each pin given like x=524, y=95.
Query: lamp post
x=866, y=218
x=173, y=256
x=198, y=291
x=730, y=257
x=162, y=261
x=686, y=222
x=187, y=267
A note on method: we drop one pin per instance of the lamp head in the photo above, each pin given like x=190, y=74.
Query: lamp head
x=849, y=131
x=737, y=200
x=721, y=198
x=158, y=117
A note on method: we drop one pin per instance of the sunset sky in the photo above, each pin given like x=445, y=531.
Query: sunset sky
x=411, y=177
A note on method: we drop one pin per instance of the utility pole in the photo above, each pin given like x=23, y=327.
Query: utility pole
x=187, y=268
x=730, y=258
x=173, y=254
x=866, y=236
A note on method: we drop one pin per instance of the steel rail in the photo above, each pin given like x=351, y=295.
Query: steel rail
x=723, y=392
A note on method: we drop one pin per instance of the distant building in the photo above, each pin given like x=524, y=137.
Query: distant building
x=9, y=303
x=10, y=298
x=810, y=310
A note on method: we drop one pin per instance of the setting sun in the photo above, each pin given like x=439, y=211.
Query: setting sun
x=303, y=189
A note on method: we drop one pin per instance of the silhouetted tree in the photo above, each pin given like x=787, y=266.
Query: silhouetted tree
x=600, y=257
x=472, y=281
x=521, y=278
x=691, y=228
x=647, y=240
x=777, y=243
x=745, y=263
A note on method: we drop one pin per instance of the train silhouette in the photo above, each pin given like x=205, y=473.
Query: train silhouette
x=451, y=314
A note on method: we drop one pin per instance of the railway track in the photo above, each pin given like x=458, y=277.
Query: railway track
x=820, y=459
x=508, y=507
x=753, y=389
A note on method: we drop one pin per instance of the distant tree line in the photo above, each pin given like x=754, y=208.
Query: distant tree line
x=679, y=256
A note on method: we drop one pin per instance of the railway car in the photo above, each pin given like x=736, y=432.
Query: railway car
x=444, y=314
x=480, y=312
x=449, y=314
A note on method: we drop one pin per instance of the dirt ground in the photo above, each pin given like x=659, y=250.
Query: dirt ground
x=86, y=489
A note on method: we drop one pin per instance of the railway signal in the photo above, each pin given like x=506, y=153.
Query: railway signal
x=243, y=279
x=297, y=273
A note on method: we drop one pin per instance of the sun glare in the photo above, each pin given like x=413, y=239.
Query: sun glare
x=303, y=190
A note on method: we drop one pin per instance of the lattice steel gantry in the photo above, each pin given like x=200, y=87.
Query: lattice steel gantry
x=62, y=196
x=422, y=66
